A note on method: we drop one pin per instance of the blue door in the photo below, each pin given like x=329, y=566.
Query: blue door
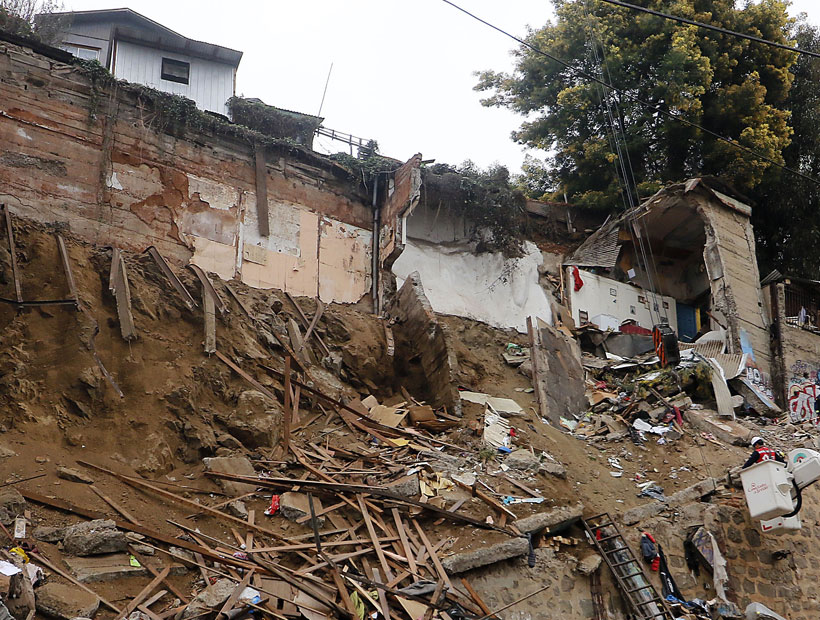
x=687, y=325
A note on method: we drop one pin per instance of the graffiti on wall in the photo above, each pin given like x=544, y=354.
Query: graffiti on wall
x=756, y=379
x=804, y=392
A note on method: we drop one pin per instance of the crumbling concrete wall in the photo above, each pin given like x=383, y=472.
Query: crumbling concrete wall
x=796, y=362
x=417, y=326
x=737, y=299
x=93, y=158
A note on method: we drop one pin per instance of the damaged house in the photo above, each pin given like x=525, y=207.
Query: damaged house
x=684, y=257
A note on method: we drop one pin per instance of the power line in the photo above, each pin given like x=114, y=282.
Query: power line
x=691, y=22
x=625, y=94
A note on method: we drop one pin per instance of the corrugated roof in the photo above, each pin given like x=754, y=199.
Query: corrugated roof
x=601, y=249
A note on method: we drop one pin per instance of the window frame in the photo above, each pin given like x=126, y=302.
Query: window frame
x=170, y=77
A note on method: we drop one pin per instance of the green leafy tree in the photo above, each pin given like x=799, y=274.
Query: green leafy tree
x=729, y=85
x=786, y=212
x=38, y=19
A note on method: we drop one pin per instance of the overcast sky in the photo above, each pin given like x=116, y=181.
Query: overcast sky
x=402, y=71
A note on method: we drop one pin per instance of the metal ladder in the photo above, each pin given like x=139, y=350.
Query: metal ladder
x=640, y=594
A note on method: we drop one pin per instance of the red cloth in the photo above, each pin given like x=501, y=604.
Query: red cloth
x=576, y=275
x=635, y=329
x=656, y=563
x=274, y=505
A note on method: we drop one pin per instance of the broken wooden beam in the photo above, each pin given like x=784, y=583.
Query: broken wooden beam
x=208, y=286
x=187, y=299
x=118, y=285
x=18, y=291
x=69, y=276
x=210, y=321
x=261, y=169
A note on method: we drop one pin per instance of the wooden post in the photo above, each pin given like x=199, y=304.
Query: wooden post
x=535, y=354
x=287, y=413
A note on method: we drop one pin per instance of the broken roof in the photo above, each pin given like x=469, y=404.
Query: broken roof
x=601, y=249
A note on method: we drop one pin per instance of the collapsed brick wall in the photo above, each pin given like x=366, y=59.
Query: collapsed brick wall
x=425, y=338
x=99, y=161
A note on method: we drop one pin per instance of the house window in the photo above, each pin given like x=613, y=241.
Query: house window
x=175, y=70
x=81, y=51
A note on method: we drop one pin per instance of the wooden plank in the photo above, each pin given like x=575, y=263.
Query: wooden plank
x=42, y=560
x=118, y=285
x=491, y=502
x=261, y=169
x=210, y=321
x=375, y=539
x=334, y=543
x=476, y=598
x=249, y=535
x=320, y=308
x=323, y=511
x=286, y=416
x=382, y=596
x=176, y=591
x=228, y=606
x=69, y=276
x=143, y=594
x=114, y=505
x=18, y=291
x=438, y=593
x=171, y=277
x=521, y=485
x=433, y=556
x=535, y=352
x=408, y=551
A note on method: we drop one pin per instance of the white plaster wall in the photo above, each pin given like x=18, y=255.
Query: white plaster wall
x=486, y=287
x=601, y=295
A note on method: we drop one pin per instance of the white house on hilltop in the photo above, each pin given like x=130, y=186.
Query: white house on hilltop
x=139, y=50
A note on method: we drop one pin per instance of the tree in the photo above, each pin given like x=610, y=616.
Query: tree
x=786, y=212
x=39, y=19
x=729, y=85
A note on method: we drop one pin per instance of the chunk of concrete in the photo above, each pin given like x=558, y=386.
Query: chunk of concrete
x=689, y=494
x=73, y=475
x=214, y=595
x=589, y=564
x=553, y=469
x=294, y=506
x=522, y=460
x=94, y=538
x=551, y=521
x=12, y=504
x=468, y=560
x=237, y=465
x=104, y=568
x=238, y=509
x=65, y=602
x=407, y=486
x=44, y=533
x=728, y=431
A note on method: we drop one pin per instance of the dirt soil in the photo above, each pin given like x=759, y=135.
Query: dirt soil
x=178, y=404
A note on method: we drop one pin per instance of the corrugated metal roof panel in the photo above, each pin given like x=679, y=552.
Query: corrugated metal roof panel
x=600, y=250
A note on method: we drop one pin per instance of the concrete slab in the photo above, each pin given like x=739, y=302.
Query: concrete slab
x=728, y=431
x=103, y=568
x=238, y=465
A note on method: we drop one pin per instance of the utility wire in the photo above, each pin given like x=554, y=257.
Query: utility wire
x=625, y=94
x=691, y=22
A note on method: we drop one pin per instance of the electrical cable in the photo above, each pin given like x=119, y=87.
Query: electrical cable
x=659, y=110
x=624, y=169
x=691, y=22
